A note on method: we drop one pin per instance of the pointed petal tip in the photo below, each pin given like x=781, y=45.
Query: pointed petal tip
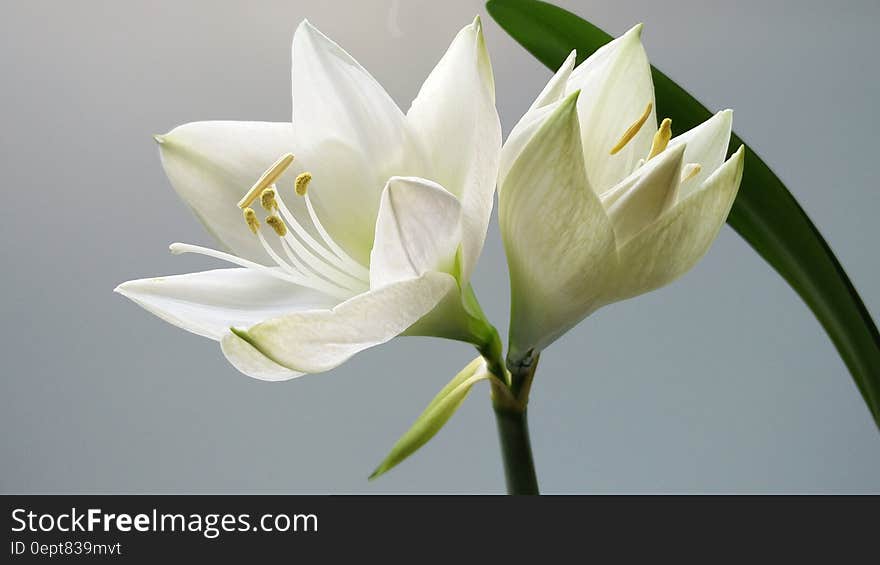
x=676, y=152
x=305, y=26
x=159, y=138
x=635, y=31
x=570, y=101
x=478, y=24
x=243, y=334
x=725, y=115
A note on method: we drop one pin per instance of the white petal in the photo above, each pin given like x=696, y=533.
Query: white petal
x=350, y=134
x=454, y=117
x=212, y=165
x=418, y=230
x=244, y=357
x=520, y=136
x=669, y=248
x=617, y=86
x=335, y=97
x=645, y=195
x=707, y=146
x=318, y=340
x=210, y=302
x=544, y=104
x=558, y=240
x=555, y=89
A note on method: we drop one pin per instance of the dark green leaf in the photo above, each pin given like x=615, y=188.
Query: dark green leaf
x=765, y=213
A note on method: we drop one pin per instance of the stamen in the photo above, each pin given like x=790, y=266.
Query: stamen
x=323, y=269
x=268, y=178
x=251, y=218
x=308, y=263
x=277, y=224
x=302, y=183
x=180, y=248
x=311, y=244
x=301, y=278
x=690, y=171
x=632, y=130
x=346, y=259
x=661, y=138
x=267, y=199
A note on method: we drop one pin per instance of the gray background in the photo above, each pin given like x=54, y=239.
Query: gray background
x=723, y=382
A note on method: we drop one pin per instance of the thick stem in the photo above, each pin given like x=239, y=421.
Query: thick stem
x=516, y=451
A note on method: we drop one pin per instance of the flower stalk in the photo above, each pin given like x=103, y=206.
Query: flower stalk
x=516, y=451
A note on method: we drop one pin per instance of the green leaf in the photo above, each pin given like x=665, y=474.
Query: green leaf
x=435, y=415
x=765, y=213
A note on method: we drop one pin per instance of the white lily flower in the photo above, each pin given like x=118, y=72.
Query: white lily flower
x=370, y=231
x=597, y=204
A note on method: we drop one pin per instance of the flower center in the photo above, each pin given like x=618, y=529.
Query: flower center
x=658, y=144
x=321, y=265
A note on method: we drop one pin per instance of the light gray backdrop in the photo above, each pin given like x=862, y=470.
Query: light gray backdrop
x=723, y=382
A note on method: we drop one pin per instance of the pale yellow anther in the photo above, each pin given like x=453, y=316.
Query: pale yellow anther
x=267, y=199
x=251, y=218
x=302, y=183
x=690, y=171
x=661, y=138
x=277, y=224
x=632, y=130
x=268, y=179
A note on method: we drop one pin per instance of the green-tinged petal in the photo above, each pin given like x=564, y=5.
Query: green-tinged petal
x=520, y=136
x=616, y=88
x=641, y=199
x=245, y=357
x=455, y=119
x=559, y=242
x=764, y=213
x=556, y=87
x=435, y=415
x=418, y=230
x=669, y=248
x=212, y=165
x=209, y=302
x=706, y=146
x=318, y=340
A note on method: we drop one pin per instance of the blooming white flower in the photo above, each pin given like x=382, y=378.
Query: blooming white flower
x=596, y=203
x=373, y=219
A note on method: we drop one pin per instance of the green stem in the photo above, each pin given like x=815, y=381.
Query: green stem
x=510, y=396
x=510, y=404
x=516, y=451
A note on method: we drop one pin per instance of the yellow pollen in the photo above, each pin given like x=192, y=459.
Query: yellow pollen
x=302, y=183
x=278, y=225
x=251, y=218
x=661, y=138
x=632, y=130
x=690, y=171
x=268, y=178
x=267, y=199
